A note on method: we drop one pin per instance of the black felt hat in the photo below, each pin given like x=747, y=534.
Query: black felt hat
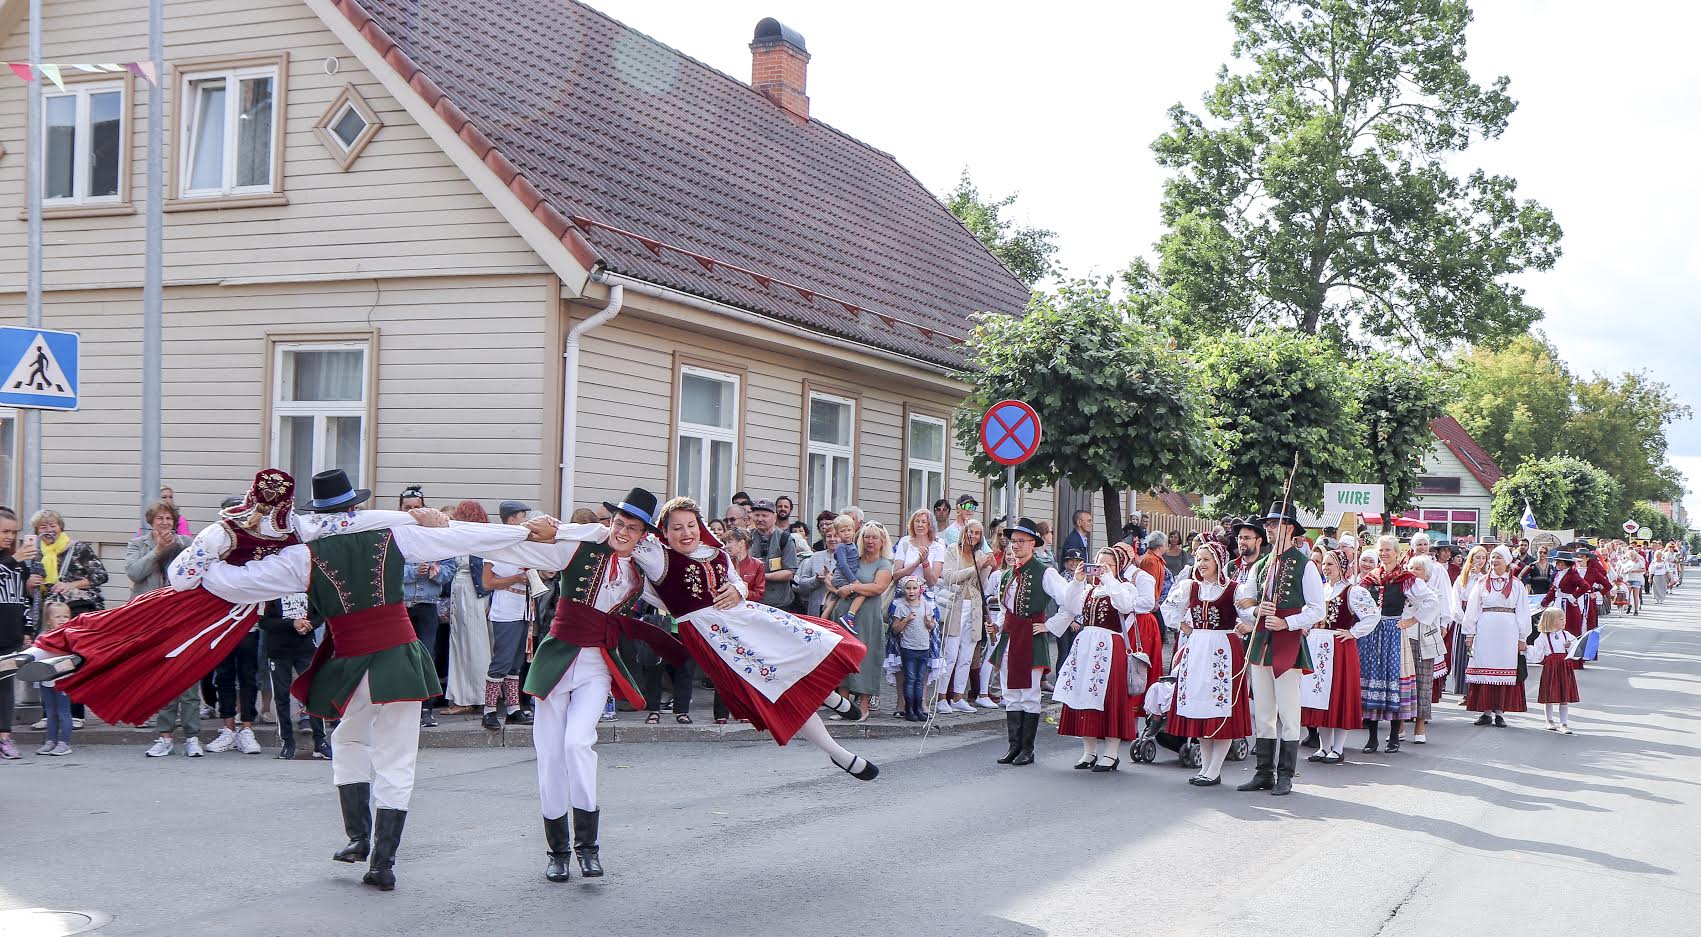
x=639, y=505
x=332, y=492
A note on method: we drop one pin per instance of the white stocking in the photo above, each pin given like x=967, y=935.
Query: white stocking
x=1212, y=754
x=1564, y=714
x=815, y=731
x=839, y=704
x=1105, y=749
x=1089, y=748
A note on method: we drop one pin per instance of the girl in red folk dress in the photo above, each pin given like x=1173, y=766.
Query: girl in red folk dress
x=126, y=663
x=1210, y=666
x=772, y=668
x=1092, y=684
x=1331, y=696
x=1552, y=652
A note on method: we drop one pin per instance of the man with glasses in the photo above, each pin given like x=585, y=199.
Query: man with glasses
x=967, y=505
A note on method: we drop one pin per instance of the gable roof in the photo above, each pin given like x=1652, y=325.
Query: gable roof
x=598, y=127
x=1477, y=461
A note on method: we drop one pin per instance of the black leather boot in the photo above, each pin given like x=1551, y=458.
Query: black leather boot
x=559, y=842
x=1394, y=729
x=585, y=842
x=1373, y=725
x=356, y=800
x=1287, y=759
x=1030, y=729
x=386, y=836
x=1013, y=729
x=1264, y=773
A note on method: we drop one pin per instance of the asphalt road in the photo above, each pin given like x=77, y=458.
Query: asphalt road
x=1482, y=831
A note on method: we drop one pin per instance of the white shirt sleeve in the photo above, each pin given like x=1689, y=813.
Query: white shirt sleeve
x=260, y=580
x=546, y=556
x=1316, y=600
x=1074, y=599
x=650, y=559
x=1366, y=614
x=1145, y=598
x=1421, y=601
x=1126, y=598
x=1473, y=613
x=1175, y=604
x=310, y=527
x=202, y=553
x=434, y=544
x=1243, y=592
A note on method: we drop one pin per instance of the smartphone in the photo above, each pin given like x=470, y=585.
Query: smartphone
x=1093, y=569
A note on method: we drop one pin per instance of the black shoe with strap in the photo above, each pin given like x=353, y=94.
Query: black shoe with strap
x=559, y=841
x=585, y=844
x=356, y=801
x=1264, y=773
x=386, y=837
x=1484, y=719
x=1013, y=729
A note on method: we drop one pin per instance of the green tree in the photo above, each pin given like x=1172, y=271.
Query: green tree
x=1317, y=191
x=1268, y=396
x=1027, y=251
x=1694, y=544
x=1396, y=402
x=1620, y=425
x=1649, y=516
x=1539, y=483
x=1115, y=401
x=1594, y=496
x=1515, y=401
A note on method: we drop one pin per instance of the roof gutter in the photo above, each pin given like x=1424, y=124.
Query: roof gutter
x=645, y=288
x=570, y=390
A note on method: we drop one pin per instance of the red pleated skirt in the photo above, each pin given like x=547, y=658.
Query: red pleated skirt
x=126, y=676
x=1346, y=705
x=1120, y=717
x=1559, y=681
x=1495, y=697
x=783, y=717
x=1238, y=723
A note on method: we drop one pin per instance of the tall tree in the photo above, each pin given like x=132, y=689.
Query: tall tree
x=1515, y=401
x=1114, y=399
x=1026, y=250
x=1317, y=192
x=1269, y=396
x=1620, y=425
x=1541, y=485
x=1396, y=402
x=1596, y=498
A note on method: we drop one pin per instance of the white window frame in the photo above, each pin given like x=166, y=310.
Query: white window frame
x=82, y=161
x=913, y=463
x=708, y=435
x=10, y=477
x=321, y=410
x=233, y=77
x=829, y=451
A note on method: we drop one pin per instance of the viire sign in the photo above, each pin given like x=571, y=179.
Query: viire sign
x=1356, y=499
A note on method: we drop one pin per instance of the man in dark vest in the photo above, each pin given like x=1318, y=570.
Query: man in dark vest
x=371, y=671
x=1029, y=589
x=1289, y=598
x=575, y=666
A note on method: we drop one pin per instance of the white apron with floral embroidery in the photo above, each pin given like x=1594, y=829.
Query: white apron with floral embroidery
x=770, y=649
x=1204, y=676
x=1084, y=678
x=1315, y=687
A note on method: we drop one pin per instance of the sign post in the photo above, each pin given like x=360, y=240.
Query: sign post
x=1631, y=527
x=1010, y=434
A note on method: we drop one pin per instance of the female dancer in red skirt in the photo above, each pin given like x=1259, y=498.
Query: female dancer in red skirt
x=1144, y=625
x=1210, y=668
x=1092, y=684
x=1330, y=695
x=1552, y=652
x=770, y=667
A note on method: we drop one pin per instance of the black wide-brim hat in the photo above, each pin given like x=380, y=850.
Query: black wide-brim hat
x=332, y=492
x=1285, y=513
x=1025, y=525
x=1252, y=525
x=640, y=505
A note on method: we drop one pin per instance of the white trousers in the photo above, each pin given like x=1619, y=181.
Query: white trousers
x=564, y=733
x=959, y=653
x=1028, y=700
x=377, y=743
x=1276, y=699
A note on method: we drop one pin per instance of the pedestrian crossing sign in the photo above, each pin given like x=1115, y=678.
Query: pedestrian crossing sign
x=40, y=366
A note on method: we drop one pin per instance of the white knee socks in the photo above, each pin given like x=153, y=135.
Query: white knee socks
x=1089, y=748
x=839, y=704
x=1564, y=712
x=815, y=731
x=1333, y=740
x=1212, y=753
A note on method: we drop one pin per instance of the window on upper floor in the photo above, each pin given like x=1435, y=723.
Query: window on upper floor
x=347, y=126
x=84, y=144
x=230, y=119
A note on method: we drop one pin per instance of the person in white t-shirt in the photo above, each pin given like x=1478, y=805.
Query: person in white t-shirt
x=510, y=617
x=967, y=505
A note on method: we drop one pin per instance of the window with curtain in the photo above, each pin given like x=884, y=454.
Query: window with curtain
x=319, y=410
x=83, y=144
x=227, y=140
x=926, y=463
x=830, y=458
x=707, y=469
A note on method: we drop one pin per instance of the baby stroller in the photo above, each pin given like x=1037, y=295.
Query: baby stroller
x=1144, y=749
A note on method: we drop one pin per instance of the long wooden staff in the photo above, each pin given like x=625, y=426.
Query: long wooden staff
x=1284, y=533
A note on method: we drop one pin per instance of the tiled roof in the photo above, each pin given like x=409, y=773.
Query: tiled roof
x=583, y=116
x=1477, y=460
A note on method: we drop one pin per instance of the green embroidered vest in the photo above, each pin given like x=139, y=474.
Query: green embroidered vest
x=354, y=572
x=1031, y=599
x=1290, y=578
x=587, y=574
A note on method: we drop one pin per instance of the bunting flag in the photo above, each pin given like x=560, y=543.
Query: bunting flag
x=27, y=71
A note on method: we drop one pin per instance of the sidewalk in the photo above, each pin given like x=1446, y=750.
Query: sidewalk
x=467, y=732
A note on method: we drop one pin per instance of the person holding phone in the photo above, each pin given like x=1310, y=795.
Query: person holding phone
x=1093, y=681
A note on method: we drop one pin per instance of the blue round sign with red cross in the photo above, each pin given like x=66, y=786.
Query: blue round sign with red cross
x=1010, y=432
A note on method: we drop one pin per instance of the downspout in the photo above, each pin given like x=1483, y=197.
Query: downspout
x=570, y=390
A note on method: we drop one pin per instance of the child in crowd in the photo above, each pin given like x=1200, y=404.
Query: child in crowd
x=845, y=560
x=56, y=706
x=1552, y=650
x=911, y=620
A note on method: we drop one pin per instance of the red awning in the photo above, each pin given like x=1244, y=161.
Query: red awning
x=1411, y=522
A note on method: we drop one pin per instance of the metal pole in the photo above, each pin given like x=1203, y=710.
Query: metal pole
x=153, y=255
x=37, y=179
x=1009, y=496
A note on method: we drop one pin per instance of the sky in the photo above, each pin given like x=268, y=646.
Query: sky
x=1060, y=102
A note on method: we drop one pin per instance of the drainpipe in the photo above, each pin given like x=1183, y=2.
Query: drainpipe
x=570, y=391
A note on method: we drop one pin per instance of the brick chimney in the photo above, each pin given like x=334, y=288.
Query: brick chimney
x=779, y=65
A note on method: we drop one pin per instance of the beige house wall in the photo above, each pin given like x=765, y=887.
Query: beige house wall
x=1472, y=495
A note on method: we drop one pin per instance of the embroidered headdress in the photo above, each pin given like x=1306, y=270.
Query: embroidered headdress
x=269, y=502
x=1217, y=552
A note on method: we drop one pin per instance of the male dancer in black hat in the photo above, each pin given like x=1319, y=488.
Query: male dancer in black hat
x=1287, y=604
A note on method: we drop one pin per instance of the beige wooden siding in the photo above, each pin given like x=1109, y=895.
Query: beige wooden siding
x=465, y=370
x=401, y=207
x=1472, y=495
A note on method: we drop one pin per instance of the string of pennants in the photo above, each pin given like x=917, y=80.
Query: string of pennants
x=766, y=281
x=28, y=71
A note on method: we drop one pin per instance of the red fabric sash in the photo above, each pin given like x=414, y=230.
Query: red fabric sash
x=583, y=626
x=1019, y=651
x=1284, y=644
x=370, y=630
